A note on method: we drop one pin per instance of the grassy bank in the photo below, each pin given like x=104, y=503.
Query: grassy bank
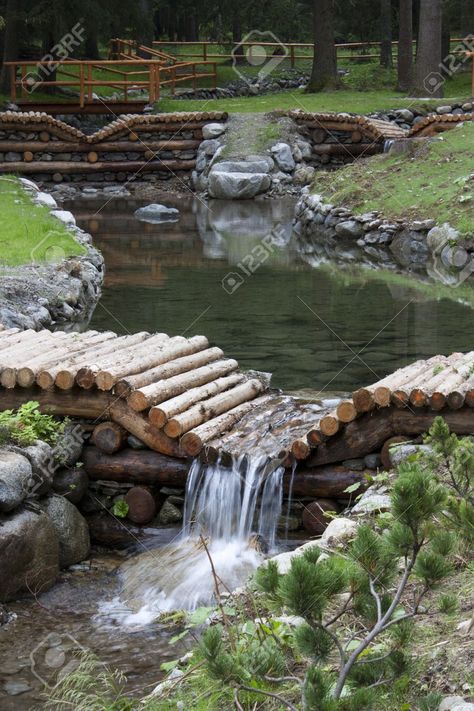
x=432, y=181
x=29, y=233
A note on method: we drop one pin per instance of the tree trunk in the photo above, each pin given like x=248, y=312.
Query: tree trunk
x=324, y=71
x=386, y=34
x=405, y=46
x=428, y=79
x=13, y=26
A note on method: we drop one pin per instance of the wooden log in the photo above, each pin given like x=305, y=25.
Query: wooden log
x=136, y=466
x=33, y=147
x=109, y=437
x=155, y=393
x=148, y=361
x=356, y=136
x=139, y=426
x=92, y=157
x=27, y=155
x=214, y=406
x=66, y=378
x=68, y=346
x=300, y=449
x=141, y=505
x=111, y=532
x=44, y=137
x=315, y=518
x=74, y=167
x=329, y=425
x=315, y=437
x=132, y=361
x=85, y=376
x=177, y=365
x=48, y=372
x=192, y=442
x=319, y=135
x=327, y=482
x=70, y=403
x=160, y=414
x=351, y=149
x=346, y=411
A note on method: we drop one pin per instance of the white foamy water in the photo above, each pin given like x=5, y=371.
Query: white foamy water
x=221, y=510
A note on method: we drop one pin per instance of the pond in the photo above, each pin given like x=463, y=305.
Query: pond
x=229, y=271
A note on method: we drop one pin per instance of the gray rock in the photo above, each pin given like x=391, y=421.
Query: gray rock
x=400, y=452
x=450, y=702
x=135, y=443
x=29, y=554
x=209, y=147
x=369, y=503
x=213, y=130
x=258, y=164
x=68, y=449
x=156, y=213
x=349, y=228
x=169, y=513
x=15, y=687
x=71, y=528
x=283, y=157
x=71, y=483
x=15, y=479
x=405, y=114
x=304, y=175
x=357, y=465
x=372, y=461
x=237, y=186
x=444, y=109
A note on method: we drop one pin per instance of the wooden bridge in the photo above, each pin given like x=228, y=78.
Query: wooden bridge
x=183, y=397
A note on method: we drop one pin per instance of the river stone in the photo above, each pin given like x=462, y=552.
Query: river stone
x=15, y=479
x=349, y=228
x=68, y=448
x=156, y=213
x=29, y=554
x=169, y=513
x=338, y=532
x=371, y=502
x=46, y=199
x=444, y=109
x=213, y=130
x=449, y=703
x=257, y=164
x=304, y=175
x=237, y=186
x=400, y=452
x=64, y=216
x=405, y=114
x=71, y=528
x=283, y=157
x=71, y=483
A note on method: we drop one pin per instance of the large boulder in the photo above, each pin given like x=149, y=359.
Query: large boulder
x=15, y=479
x=71, y=483
x=156, y=213
x=29, y=554
x=283, y=157
x=251, y=164
x=212, y=130
x=71, y=528
x=237, y=186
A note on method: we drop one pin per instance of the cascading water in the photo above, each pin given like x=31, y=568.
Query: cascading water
x=220, y=522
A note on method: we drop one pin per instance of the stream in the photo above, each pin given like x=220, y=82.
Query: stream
x=228, y=271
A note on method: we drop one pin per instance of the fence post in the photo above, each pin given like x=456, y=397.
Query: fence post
x=23, y=81
x=81, y=86
x=12, y=69
x=89, y=85
x=204, y=51
x=292, y=55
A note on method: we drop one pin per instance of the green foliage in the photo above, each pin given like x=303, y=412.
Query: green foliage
x=220, y=664
x=120, y=509
x=448, y=604
x=430, y=702
x=367, y=77
x=267, y=578
x=313, y=642
x=28, y=424
x=316, y=690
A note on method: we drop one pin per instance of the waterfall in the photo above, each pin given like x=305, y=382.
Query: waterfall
x=220, y=521
x=221, y=502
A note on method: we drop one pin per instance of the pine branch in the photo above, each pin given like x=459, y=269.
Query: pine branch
x=271, y=695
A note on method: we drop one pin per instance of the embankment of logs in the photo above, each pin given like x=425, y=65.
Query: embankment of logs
x=39, y=145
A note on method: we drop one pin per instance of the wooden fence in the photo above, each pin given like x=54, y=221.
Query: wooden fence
x=291, y=51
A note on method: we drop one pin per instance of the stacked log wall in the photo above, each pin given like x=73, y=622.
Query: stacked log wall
x=45, y=149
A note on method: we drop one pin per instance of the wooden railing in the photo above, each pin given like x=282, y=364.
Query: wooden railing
x=290, y=51
x=26, y=77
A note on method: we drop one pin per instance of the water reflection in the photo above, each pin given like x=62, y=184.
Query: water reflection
x=321, y=328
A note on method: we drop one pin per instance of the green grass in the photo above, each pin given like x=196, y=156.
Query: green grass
x=346, y=99
x=29, y=233
x=432, y=181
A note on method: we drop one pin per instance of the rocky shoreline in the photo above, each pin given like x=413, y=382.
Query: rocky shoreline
x=324, y=232
x=46, y=295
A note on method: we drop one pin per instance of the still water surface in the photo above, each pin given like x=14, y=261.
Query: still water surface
x=228, y=271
